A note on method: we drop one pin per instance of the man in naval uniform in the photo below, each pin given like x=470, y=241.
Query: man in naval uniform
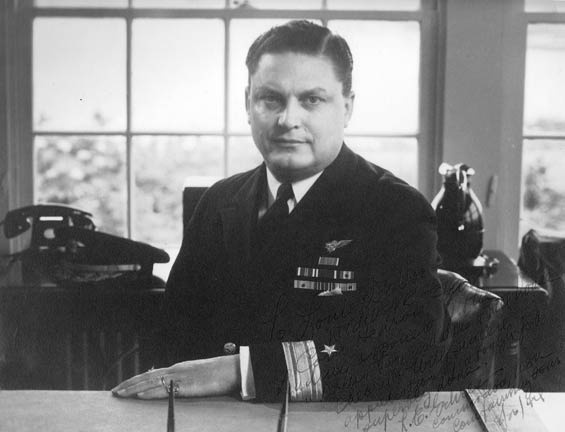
x=314, y=271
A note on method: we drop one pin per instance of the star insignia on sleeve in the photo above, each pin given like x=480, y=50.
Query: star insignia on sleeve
x=329, y=350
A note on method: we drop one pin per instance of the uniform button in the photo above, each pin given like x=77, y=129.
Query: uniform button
x=230, y=348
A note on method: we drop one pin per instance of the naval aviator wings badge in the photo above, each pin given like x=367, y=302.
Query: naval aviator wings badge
x=336, y=244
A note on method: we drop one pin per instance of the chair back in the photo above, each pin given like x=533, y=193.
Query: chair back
x=542, y=258
x=475, y=318
x=190, y=197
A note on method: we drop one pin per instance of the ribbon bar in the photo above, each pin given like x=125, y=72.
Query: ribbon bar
x=324, y=273
x=324, y=286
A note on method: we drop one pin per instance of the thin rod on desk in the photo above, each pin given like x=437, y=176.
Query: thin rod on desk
x=171, y=412
x=283, y=418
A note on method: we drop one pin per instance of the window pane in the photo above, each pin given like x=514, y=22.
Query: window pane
x=79, y=74
x=86, y=172
x=545, y=6
x=161, y=166
x=82, y=3
x=386, y=58
x=398, y=155
x=178, y=75
x=374, y=4
x=277, y=4
x=242, y=34
x=543, y=187
x=544, y=105
x=242, y=155
x=180, y=4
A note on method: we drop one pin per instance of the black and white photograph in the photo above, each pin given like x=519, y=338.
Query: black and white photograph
x=282, y=215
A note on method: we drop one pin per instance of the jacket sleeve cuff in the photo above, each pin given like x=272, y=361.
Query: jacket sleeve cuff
x=276, y=365
x=303, y=370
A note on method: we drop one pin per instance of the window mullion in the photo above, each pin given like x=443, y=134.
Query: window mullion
x=544, y=136
x=430, y=104
x=545, y=17
x=129, y=169
x=18, y=146
x=226, y=94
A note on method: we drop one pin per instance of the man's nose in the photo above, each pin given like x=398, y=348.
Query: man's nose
x=291, y=116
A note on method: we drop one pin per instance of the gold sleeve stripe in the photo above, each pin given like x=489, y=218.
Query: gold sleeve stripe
x=314, y=367
x=290, y=369
x=296, y=388
x=303, y=391
x=303, y=369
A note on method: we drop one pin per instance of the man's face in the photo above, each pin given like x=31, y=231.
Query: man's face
x=297, y=113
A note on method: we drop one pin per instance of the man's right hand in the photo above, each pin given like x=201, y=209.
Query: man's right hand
x=195, y=378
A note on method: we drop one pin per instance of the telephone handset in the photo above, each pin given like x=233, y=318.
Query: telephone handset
x=44, y=219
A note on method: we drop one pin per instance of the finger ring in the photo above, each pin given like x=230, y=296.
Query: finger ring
x=176, y=387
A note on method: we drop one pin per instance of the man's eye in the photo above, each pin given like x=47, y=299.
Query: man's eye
x=313, y=100
x=270, y=99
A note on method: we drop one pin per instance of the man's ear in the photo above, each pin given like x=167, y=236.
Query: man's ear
x=349, y=102
x=247, y=103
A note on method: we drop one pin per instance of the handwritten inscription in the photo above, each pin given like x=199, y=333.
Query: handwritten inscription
x=502, y=407
x=381, y=353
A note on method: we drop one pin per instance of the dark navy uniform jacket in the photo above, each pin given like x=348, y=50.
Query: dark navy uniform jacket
x=388, y=325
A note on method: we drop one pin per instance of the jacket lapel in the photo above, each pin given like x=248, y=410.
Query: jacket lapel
x=239, y=218
x=324, y=201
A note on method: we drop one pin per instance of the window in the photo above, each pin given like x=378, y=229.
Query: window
x=543, y=153
x=384, y=126
x=134, y=99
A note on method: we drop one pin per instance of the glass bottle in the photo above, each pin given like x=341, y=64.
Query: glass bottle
x=459, y=216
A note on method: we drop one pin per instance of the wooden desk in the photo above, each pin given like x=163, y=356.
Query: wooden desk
x=77, y=336
x=508, y=279
x=63, y=411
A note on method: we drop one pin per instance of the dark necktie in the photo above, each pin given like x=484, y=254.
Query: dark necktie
x=276, y=214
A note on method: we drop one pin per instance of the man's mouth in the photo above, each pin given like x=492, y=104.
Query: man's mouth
x=289, y=141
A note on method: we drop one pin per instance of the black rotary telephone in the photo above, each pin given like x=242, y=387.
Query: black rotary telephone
x=44, y=219
x=65, y=247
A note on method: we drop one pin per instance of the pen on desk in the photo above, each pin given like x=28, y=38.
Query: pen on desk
x=171, y=412
x=475, y=410
x=283, y=417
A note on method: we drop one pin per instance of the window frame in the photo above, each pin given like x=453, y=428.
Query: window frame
x=21, y=189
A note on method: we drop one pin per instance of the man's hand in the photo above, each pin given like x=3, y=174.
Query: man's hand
x=196, y=378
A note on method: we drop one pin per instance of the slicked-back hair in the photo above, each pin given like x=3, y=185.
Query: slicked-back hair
x=304, y=37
